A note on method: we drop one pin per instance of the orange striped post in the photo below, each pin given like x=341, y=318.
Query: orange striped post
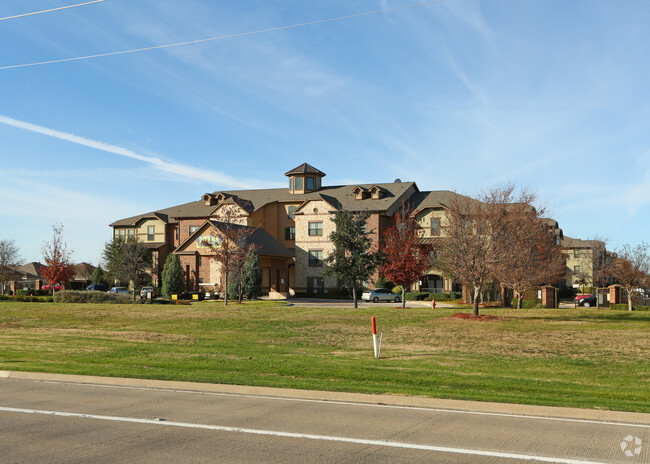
x=374, y=334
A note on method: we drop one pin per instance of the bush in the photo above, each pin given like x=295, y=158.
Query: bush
x=531, y=304
x=397, y=289
x=27, y=299
x=22, y=292
x=416, y=296
x=624, y=307
x=383, y=283
x=75, y=296
x=444, y=296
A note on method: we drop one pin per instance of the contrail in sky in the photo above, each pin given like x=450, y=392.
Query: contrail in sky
x=162, y=165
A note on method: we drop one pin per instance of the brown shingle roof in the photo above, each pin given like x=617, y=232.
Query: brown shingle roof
x=256, y=199
x=305, y=168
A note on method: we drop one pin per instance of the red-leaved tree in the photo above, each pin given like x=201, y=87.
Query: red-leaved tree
x=58, y=268
x=407, y=257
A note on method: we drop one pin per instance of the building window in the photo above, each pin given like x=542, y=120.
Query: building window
x=178, y=233
x=315, y=228
x=290, y=233
x=151, y=233
x=291, y=184
x=309, y=183
x=131, y=233
x=315, y=258
x=121, y=233
x=298, y=183
x=291, y=212
x=193, y=229
x=576, y=254
x=199, y=260
x=576, y=269
x=435, y=227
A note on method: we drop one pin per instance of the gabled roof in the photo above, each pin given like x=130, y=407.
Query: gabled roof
x=568, y=242
x=133, y=220
x=305, y=168
x=256, y=199
x=30, y=270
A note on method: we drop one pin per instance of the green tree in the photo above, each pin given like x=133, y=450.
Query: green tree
x=352, y=261
x=252, y=275
x=127, y=261
x=172, y=276
x=98, y=276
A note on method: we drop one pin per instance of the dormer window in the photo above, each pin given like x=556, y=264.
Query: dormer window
x=304, y=179
x=360, y=193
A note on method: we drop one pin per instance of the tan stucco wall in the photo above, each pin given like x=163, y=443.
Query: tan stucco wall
x=314, y=211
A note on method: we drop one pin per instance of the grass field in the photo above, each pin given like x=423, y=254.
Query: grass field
x=583, y=358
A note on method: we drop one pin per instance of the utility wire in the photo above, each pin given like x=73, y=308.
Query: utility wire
x=50, y=10
x=230, y=36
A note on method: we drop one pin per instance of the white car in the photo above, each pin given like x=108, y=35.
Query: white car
x=380, y=294
x=119, y=290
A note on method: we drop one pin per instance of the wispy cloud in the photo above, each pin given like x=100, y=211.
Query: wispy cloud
x=178, y=169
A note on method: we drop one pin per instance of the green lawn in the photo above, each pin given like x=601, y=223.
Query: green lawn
x=584, y=358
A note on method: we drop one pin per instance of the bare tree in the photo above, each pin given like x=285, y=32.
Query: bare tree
x=231, y=247
x=9, y=259
x=477, y=240
x=534, y=258
x=58, y=268
x=631, y=267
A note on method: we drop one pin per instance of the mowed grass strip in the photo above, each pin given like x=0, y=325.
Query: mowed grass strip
x=582, y=358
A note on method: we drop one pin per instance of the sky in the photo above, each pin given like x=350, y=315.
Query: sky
x=462, y=95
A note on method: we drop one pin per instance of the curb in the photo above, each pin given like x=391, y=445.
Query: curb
x=380, y=399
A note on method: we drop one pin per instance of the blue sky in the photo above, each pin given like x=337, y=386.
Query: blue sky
x=460, y=95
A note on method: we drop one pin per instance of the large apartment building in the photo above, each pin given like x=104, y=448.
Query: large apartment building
x=292, y=227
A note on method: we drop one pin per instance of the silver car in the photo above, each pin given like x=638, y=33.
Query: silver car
x=119, y=290
x=380, y=294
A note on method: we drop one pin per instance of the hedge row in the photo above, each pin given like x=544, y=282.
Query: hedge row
x=28, y=299
x=624, y=307
x=74, y=296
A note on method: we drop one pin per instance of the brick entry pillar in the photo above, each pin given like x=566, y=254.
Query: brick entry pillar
x=615, y=292
x=466, y=294
x=548, y=297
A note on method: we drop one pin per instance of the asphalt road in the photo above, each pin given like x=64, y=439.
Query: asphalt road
x=68, y=419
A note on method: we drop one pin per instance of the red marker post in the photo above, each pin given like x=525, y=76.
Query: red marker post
x=374, y=334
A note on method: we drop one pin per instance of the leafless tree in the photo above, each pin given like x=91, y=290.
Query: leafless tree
x=231, y=247
x=631, y=267
x=476, y=243
x=9, y=259
x=534, y=257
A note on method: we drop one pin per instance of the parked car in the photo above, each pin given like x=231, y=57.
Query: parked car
x=96, y=288
x=586, y=300
x=380, y=294
x=145, y=290
x=119, y=290
x=48, y=287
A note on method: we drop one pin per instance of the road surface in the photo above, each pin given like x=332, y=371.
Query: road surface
x=73, y=419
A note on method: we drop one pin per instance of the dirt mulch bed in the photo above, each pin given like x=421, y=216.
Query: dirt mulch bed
x=471, y=317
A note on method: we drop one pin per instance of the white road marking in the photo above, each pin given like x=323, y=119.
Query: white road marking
x=358, y=441
x=372, y=405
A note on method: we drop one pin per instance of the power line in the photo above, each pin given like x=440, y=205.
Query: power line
x=229, y=36
x=50, y=10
